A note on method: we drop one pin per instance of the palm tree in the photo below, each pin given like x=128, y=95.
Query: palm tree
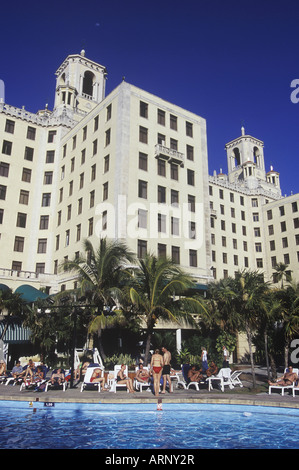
x=155, y=286
x=289, y=301
x=250, y=290
x=100, y=274
x=11, y=306
x=282, y=272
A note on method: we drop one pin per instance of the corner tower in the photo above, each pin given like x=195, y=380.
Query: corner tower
x=80, y=85
x=246, y=164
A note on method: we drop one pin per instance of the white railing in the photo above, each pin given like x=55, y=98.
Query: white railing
x=169, y=153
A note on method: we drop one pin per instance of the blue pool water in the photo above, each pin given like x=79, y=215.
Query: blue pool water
x=142, y=426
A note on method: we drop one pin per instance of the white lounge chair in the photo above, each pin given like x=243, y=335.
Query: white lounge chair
x=113, y=382
x=181, y=381
x=223, y=377
x=87, y=382
x=295, y=389
x=63, y=385
x=234, y=378
x=140, y=385
x=282, y=388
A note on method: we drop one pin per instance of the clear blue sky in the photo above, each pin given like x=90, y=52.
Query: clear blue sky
x=231, y=62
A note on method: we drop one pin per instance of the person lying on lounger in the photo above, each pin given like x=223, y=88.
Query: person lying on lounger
x=57, y=377
x=97, y=377
x=287, y=379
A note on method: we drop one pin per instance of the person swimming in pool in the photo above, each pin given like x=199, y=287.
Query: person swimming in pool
x=157, y=364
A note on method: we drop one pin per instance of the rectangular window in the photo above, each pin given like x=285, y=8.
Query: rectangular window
x=173, y=122
x=108, y=112
x=46, y=199
x=19, y=244
x=142, y=161
x=142, y=218
x=190, y=177
x=44, y=222
x=90, y=226
x=106, y=163
x=162, y=223
x=175, y=254
x=28, y=155
x=142, y=189
x=174, y=195
x=51, y=136
x=21, y=219
x=3, y=192
x=50, y=156
x=193, y=258
x=161, y=250
x=4, y=169
x=9, y=126
x=189, y=129
x=42, y=245
x=6, y=147
x=31, y=133
x=48, y=177
x=26, y=175
x=107, y=137
x=190, y=152
x=175, y=226
x=105, y=191
x=24, y=197
x=143, y=134
x=161, y=117
x=161, y=167
x=141, y=248
x=143, y=111
x=174, y=171
x=162, y=194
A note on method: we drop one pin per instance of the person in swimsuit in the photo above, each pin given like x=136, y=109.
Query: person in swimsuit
x=157, y=364
x=142, y=375
x=123, y=379
x=166, y=369
x=97, y=377
x=288, y=378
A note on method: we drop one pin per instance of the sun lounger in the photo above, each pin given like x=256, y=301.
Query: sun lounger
x=140, y=385
x=113, y=382
x=56, y=386
x=87, y=383
x=223, y=377
x=283, y=388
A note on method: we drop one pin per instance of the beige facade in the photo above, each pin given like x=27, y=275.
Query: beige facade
x=131, y=166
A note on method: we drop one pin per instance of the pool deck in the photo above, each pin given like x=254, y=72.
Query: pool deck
x=237, y=396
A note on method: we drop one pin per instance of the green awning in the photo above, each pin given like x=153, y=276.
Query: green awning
x=30, y=294
x=4, y=287
x=15, y=333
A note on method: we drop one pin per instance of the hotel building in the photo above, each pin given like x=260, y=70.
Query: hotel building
x=132, y=166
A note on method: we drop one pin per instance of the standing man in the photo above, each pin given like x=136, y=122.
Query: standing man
x=166, y=369
x=225, y=357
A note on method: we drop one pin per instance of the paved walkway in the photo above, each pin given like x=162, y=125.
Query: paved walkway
x=242, y=396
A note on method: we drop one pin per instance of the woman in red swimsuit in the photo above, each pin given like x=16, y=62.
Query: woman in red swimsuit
x=157, y=366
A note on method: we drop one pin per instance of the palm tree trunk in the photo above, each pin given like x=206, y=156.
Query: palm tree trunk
x=147, y=347
x=273, y=367
x=286, y=356
x=266, y=353
x=100, y=344
x=248, y=332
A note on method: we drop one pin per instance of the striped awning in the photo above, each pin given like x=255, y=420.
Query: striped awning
x=15, y=334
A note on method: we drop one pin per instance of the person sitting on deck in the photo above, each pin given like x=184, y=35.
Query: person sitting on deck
x=123, y=379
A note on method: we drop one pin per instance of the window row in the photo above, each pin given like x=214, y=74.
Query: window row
x=161, y=118
x=162, y=252
x=78, y=235
x=281, y=209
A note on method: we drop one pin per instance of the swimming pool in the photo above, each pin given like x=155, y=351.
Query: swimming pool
x=41, y=425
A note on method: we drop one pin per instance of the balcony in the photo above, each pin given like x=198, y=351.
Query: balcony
x=173, y=156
